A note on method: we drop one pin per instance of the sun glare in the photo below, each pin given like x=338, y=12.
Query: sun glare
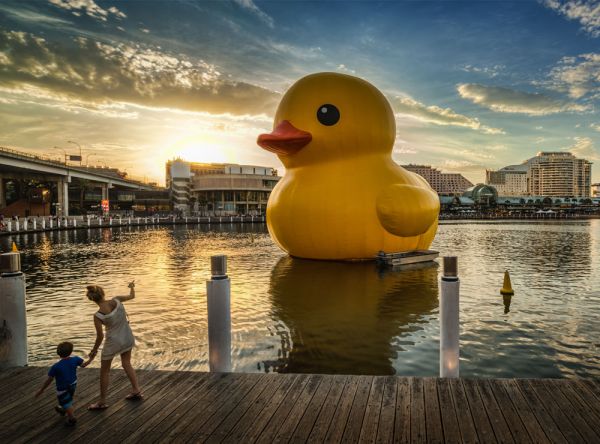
x=201, y=149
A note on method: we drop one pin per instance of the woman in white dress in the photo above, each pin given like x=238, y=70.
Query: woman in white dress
x=119, y=340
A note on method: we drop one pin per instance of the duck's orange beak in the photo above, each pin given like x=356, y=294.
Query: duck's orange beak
x=285, y=139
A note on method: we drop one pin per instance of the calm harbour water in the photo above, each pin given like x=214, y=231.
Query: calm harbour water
x=292, y=315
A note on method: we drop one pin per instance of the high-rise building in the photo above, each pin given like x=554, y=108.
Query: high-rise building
x=508, y=181
x=558, y=174
x=596, y=190
x=440, y=182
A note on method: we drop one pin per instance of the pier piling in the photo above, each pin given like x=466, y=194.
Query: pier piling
x=449, y=319
x=218, y=300
x=13, y=318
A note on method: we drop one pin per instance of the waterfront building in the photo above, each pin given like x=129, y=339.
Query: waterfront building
x=559, y=174
x=551, y=174
x=220, y=189
x=509, y=181
x=596, y=190
x=440, y=182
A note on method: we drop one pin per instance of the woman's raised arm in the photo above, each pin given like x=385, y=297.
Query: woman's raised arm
x=131, y=293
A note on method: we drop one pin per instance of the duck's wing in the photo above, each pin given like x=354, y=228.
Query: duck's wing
x=407, y=210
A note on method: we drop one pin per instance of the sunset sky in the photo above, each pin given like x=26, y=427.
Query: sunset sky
x=474, y=85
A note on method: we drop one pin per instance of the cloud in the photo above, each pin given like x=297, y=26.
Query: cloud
x=578, y=76
x=438, y=116
x=587, y=13
x=251, y=6
x=404, y=150
x=94, y=73
x=583, y=148
x=507, y=100
x=89, y=8
x=490, y=71
x=344, y=68
x=595, y=126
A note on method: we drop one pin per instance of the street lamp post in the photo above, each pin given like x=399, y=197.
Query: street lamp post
x=59, y=148
x=88, y=157
x=75, y=143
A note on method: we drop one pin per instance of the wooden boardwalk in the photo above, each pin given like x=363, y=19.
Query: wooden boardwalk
x=265, y=408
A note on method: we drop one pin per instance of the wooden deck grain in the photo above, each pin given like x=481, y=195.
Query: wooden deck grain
x=247, y=408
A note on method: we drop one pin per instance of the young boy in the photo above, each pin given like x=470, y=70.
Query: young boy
x=65, y=372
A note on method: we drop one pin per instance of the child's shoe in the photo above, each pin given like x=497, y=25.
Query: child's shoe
x=58, y=409
x=71, y=421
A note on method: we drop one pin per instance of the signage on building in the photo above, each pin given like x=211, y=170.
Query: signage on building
x=104, y=205
x=75, y=158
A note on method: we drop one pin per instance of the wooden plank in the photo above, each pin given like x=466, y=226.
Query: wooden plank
x=340, y=417
x=385, y=429
x=448, y=412
x=580, y=407
x=291, y=422
x=306, y=423
x=513, y=420
x=567, y=419
x=539, y=408
x=435, y=432
x=418, y=426
x=523, y=410
x=225, y=386
x=199, y=384
x=485, y=432
x=370, y=421
x=24, y=386
x=319, y=430
x=251, y=432
x=234, y=408
x=464, y=416
x=186, y=412
x=272, y=428
x=357, y=412
x=117, y=428
x=402, y=419
x=501, y=429
x=591, y=401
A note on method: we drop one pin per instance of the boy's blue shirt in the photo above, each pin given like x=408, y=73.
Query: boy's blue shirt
x=65, y=372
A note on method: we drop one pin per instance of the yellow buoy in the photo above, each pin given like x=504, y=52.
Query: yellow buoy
x=14, y=248
x=507, y=287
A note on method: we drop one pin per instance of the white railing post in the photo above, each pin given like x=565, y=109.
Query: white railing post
x=449, y=319
x=13, y=318
x=218, y=301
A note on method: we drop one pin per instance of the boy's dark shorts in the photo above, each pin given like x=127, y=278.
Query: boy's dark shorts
x=65, y=397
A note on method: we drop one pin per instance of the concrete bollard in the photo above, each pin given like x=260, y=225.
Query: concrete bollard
x=218, y=301
x=74, y=222
x=110, y=221
x=34, y=224
x=17, y=225
x=13, y=318
x=25, y=224
x=65, y=222
x=51, y=223
x=43, y=223
x=9, y=226
x=186, y=220
x=449, y=319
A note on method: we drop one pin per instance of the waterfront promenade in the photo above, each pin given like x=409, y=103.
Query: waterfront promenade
x=251, y=407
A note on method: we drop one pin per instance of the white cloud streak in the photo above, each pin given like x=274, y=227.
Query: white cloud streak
x=89, y=8
x=577, y=76
x=436, y=115
x=507, y=100
x=586, y=12
x=263, y=16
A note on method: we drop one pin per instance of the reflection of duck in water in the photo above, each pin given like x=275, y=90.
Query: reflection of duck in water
x=343, y=317
x=343, y=197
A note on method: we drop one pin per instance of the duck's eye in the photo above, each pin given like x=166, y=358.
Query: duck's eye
x=328, y=114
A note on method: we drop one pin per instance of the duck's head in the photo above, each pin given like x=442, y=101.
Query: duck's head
x=329, y=116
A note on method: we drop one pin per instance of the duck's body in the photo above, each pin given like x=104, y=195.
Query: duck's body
x=343, y=197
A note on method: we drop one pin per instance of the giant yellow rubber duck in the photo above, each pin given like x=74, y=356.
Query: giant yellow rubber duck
x=342, y=196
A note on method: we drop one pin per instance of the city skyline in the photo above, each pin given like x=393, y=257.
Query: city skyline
x=474, y=86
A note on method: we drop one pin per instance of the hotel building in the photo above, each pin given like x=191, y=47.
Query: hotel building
x=219, y=189
x=440, y=182
x=550, y=174
x=509, y=181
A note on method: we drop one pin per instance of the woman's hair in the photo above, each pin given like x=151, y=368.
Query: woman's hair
x=95, y=293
